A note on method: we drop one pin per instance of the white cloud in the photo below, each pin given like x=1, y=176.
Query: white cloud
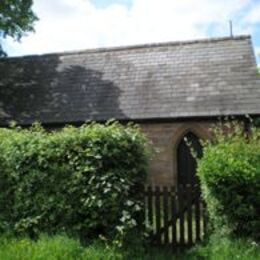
x=254, y=15
x=78, y=24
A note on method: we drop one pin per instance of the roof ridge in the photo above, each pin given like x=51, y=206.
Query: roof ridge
x=136, y=46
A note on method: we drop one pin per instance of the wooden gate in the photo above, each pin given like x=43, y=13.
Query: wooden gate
x=175, y=216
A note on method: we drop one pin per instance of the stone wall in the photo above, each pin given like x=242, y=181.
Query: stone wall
x=165, y=138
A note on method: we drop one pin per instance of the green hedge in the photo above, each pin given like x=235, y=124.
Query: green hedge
x=230, y=175
x=83, y=181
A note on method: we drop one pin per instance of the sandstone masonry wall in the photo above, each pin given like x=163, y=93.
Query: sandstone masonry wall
x=165, y=138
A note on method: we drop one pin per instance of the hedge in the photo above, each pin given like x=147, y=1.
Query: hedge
x=230, y=176
x=84, y=181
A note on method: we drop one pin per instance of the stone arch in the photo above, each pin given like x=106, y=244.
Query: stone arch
x=201, y=132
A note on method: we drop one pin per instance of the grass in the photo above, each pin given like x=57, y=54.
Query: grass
x=45, y=248
x=226, y=249
x=62, y=247
x=65, y=248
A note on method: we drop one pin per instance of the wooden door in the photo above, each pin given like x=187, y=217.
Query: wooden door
x=187, y=164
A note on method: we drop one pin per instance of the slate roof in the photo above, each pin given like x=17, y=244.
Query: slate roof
x=202, y=78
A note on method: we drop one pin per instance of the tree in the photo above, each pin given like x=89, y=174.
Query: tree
x=16, y=18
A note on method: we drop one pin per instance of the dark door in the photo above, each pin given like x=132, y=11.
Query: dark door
x=186, y=162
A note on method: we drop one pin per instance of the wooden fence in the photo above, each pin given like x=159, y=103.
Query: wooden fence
x=175, y=217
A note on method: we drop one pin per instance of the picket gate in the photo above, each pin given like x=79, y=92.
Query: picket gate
x=175, y=216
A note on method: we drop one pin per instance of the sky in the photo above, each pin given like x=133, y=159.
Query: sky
x=67, y=25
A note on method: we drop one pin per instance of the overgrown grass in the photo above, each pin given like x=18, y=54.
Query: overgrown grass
x=65, y=248
x=226, y=249
x=52, y=248
x=62, y=247
x=49, y=248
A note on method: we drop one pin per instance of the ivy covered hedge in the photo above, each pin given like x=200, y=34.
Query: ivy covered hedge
x=230, y=176
x=82, y=181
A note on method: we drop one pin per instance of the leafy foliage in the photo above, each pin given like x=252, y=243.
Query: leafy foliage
x=16, y=18
x=230, y=175
x=83, y=181
x=257, y=122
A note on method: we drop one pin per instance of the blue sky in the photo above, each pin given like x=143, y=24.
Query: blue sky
x=67, y=25
x=106, y=3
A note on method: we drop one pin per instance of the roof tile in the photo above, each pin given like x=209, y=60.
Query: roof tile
x=169, y=80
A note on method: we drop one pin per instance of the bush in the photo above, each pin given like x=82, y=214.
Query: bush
x=83, y=181
x=230, y=176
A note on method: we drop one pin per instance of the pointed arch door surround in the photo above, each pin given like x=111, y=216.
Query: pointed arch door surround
x=186, y=163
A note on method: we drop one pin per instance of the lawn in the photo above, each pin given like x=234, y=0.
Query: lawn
x=62, y=247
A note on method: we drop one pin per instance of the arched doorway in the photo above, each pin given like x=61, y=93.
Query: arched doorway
x=186, y=163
